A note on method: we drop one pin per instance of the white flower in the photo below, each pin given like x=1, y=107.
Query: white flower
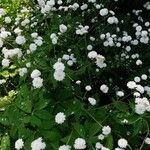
x=51, y=2
x=2, y=81
x=102, y=36
x=34, y=35
x=118, y=148
x=2, y=12
x=82, y=30
x=137, y=79
x=92, y=101
x=92, y=54
x=41, y=3
x=70, y=62
x=5, y=62
x=60, y=118
x=22, y=71
x=65, y=57
x=105, y=148
x=19, y=144
x=54, y=41
x=104, y=88
x=101, y=137
x=78, y=82
x=103, y=12
x=100, y=61
x=139, y=62
x=53, y=35
x=37, y=82
x=98, y=145
x=75, y=6
x=89, y=47
x=25, y=22
x=120, y=93
x=38, y=144
x=88, y=88
x=1, y=43
x=131, y=85
x=136, y=94
x=35, y=73
x=59, y=2
x=64, y=147
x=59, y=66
x=140, y=89
x=32, y=47
x=20, y=40
x=79, y=143
x=7, y=20
x=62, y=28
x=84, y=6
x=106, y=130
x=144, y=77
x=122, y=143
x=147, y=140
x=38, y=42
x=28, y=65
x=110, y=20
x=140, y=109
x=147, y=89
x=125, y=121
x=59, y=75
x=4, y=34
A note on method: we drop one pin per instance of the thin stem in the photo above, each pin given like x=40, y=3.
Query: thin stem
x=84, y=95
x=69, y=77
x=145, y=136
x=129, y=147
x=93, y=118
x=125, y=96
x=69, y=138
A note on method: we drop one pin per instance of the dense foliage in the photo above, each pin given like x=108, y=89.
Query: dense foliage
x=74, y=74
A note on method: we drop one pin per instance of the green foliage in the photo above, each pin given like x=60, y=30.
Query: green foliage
x=28, y=113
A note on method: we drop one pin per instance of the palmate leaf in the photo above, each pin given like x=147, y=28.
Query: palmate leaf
x=23, y=100
x=24, y=132
x=35, y=122
x=93, y=129
x=121, y=106
x=137, y=126
x=28, y=142
x=52, y=135
x=79, y=129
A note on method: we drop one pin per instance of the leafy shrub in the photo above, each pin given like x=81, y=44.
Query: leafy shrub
x=74, y=74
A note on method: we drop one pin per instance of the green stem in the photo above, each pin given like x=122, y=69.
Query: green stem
x=145, y=137
x=93, y=118
x=69, y=137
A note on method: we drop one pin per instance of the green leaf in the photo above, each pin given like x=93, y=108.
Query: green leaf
x=121, y=106
x=43, y=114
x=27, y=145
x=133, y=118
x=23, y=100
x=93, y=129
x=41, y=104
x=79, y=129
x=24, y=132
x=109, y=142
x=137, y=127
x=52, y=135
x=35, y=122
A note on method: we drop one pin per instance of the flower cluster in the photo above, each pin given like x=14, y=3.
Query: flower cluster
x=75, y=74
